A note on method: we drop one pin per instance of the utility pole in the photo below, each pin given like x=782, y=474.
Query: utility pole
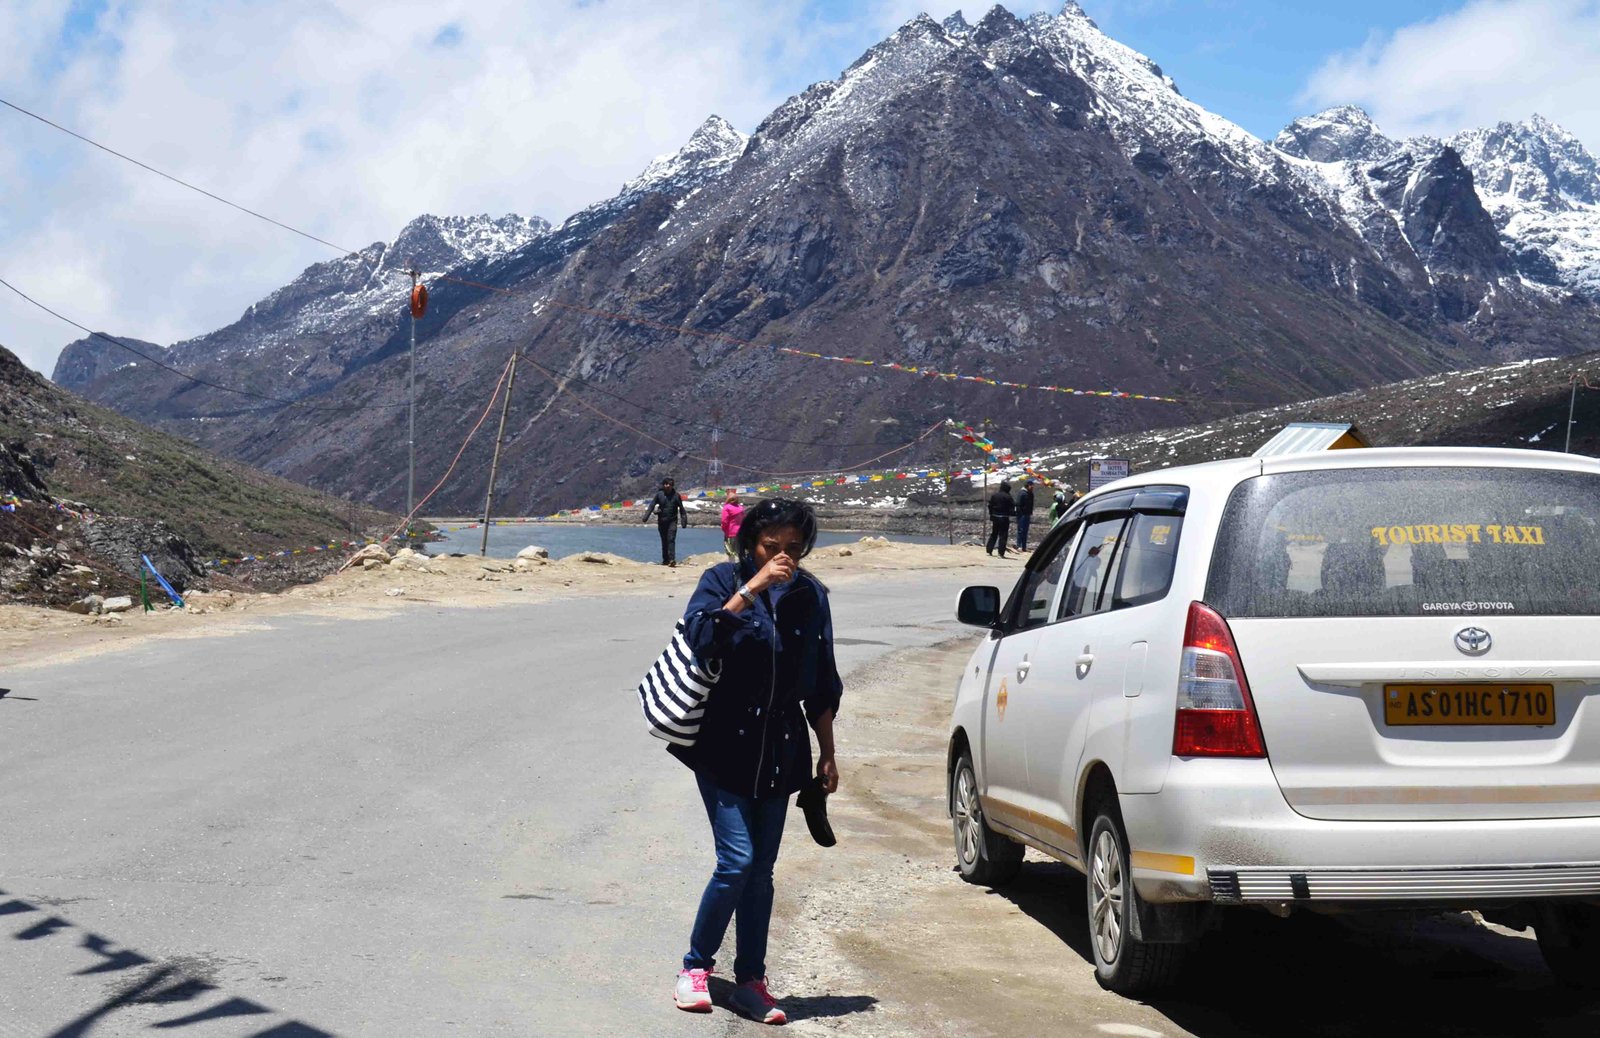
x=983, y=506
x=494, y=464
x=1571, y=403
x=949, y=481
x=411, y=409
x=714, y=468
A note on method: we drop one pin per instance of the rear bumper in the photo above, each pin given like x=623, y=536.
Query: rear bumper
x=1239, y=886
x=1221, y=831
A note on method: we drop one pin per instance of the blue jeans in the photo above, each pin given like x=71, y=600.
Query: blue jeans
x=1023, y=519
x=747, y=833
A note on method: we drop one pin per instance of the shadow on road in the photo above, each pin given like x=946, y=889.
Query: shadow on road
x=1257, y=976
x=147, y=982
x=803, y=1007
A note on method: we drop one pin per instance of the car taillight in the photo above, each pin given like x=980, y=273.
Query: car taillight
x=1216, y=716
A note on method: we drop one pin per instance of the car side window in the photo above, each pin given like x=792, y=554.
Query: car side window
x=1090, y=567
x=1039, y=583
x=1149, y=556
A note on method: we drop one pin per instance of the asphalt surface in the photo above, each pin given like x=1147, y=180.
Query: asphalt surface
x=451, y=822
x=441, y=822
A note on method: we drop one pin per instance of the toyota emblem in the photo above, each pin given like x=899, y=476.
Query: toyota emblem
x=1474, y=641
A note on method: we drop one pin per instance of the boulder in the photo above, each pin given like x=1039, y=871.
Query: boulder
x=372, y=553
x=522, y=565
x=87, y=605
x=373, y=563
x=119, y=604
x=533, y=551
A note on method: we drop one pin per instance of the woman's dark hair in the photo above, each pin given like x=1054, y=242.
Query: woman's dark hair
x=774, y=512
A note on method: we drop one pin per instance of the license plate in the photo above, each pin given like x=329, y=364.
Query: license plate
x=1469, y=704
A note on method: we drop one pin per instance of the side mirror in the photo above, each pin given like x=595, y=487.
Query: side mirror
x=978, y=605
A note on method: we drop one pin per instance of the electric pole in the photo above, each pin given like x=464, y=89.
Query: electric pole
x=714, y=466
x=1572, y=402
x=949, y=481
x=419, y=304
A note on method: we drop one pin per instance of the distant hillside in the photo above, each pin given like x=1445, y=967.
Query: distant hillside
x=56, y=444
x=1521, y=404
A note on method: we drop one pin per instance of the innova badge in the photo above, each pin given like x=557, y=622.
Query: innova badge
x=1473, y=641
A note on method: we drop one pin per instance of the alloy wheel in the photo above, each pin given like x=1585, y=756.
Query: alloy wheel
x=1106, y=877
x=967, y=818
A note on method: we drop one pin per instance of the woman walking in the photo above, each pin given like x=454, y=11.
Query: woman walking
x=732, y=515
x=767, y=621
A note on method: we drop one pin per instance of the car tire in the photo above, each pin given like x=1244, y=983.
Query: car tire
x=1123, y=963
x=1569, y=940
x=984, y=856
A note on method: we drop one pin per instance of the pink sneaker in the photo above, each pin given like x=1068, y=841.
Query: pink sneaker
x=754, y=1000
x=691, y=993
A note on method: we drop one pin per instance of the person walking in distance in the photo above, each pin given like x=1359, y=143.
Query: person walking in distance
x=668, y=507
x=769, y=625
x=1058, y=506
x=732, y=514
x=1024, y=513
x=1000, y=508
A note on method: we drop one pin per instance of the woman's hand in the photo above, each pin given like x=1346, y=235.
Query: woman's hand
x=828, y=771
x=778, y=570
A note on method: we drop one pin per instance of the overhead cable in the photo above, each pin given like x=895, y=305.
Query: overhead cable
x=282, y=401
x=175, y=180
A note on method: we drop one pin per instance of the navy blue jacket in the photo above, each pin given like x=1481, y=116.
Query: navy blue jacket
x=778, y=672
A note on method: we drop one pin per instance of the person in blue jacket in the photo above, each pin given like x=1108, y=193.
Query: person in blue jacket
x=767, y=621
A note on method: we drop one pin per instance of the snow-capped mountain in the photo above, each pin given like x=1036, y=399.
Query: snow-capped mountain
x=1537, y=183
x=312, y=329
x=1026, y=200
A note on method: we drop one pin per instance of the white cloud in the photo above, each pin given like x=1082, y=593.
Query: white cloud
x=1490, y=60
x=347, y=119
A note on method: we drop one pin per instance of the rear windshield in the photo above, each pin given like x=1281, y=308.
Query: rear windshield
x=1410, y=542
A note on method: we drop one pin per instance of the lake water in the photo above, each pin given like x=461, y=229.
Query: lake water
x=637, y=541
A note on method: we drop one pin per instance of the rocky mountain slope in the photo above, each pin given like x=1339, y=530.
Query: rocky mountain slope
x=151, y=492
x=1024, y=200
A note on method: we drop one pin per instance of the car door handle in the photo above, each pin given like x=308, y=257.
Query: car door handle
x=1085, y=661
x=1023, y=668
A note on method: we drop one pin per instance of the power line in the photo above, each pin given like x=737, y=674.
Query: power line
x=284, y=401
x=741, y=434
x=176, y=180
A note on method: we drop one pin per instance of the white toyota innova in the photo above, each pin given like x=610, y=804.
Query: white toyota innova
x=1357, y=679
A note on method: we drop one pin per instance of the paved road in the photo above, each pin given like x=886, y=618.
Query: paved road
x=446, y=821
x=451, y=822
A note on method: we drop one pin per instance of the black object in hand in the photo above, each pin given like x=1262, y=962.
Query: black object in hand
x=814, y=802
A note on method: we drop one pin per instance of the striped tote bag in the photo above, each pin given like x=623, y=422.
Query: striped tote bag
x=674, y=690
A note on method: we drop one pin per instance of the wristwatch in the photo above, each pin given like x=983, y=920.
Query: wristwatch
x=746, y=594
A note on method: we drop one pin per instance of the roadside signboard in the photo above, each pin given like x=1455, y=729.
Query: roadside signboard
x=1106, y=470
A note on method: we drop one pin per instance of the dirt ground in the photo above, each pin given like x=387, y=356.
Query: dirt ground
x=31, y=634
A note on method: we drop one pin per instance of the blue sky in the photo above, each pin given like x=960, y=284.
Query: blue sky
x=350, y=117
x=1251, y=60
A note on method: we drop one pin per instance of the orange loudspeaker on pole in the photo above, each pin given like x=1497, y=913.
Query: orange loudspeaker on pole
x=419, y=300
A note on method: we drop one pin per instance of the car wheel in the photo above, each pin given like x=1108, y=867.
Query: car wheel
x=1569, y=940
x=1122, y=961
x=983, y=855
